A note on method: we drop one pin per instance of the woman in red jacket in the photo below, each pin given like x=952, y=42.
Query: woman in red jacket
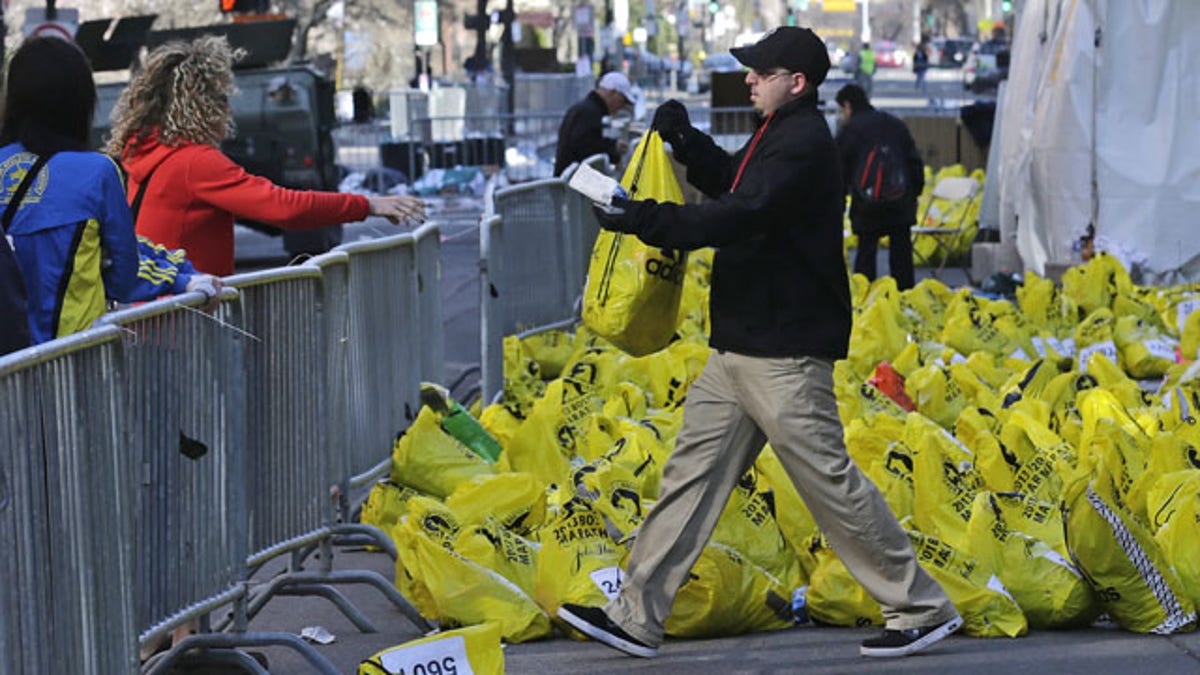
x=167, y=128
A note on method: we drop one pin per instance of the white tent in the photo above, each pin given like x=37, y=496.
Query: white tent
x=1102, y=126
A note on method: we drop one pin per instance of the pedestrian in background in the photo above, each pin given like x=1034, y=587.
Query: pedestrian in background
x=781, y=315
x=167, y=129
x=864, y=75
x=877, y=150
x=921, y=62
x=581, y=133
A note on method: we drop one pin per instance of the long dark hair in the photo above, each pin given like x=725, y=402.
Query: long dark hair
x=50, y=98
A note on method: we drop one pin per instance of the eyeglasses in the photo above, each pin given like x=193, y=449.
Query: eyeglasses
x=764, y=76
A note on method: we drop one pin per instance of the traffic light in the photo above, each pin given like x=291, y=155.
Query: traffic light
x=714, y=7
x=245, y=6
x=1006, y=6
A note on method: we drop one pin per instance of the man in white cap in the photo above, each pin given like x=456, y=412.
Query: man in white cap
x=581, y=133
x=780, y=310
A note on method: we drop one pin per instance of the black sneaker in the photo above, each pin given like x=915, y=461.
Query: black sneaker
x=904, y=642
x=594, y=623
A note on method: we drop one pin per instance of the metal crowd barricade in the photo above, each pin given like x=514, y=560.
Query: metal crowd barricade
x=66, y=509
x=429, y=303
x=292, y=478
x=186, y=403
x=384, y=394
x=529, y=271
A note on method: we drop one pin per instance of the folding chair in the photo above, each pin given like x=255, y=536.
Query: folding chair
x=956, y=191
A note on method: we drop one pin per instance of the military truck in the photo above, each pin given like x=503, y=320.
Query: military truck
x=284, y=114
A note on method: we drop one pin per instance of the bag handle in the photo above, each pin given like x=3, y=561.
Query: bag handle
x=637, y=173
x=11, y=211
x=136, y=206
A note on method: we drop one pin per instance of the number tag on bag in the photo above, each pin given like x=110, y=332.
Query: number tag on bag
x=608, y=580
x=441, y=657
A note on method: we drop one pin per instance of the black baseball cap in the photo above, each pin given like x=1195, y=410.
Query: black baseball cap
x=797, y=49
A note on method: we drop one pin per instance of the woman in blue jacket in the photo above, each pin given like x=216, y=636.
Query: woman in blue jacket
x=64, y=206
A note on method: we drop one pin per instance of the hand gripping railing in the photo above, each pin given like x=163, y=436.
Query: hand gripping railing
x=66, y=509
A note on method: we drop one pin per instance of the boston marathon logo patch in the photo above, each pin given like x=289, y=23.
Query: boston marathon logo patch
x=12, y=172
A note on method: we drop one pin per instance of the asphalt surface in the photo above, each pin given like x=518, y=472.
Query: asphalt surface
x=1101, y=650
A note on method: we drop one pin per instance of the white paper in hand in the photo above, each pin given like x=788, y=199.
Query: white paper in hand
x=593, y=184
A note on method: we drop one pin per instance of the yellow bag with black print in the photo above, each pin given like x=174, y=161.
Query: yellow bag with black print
x=633, y=289
x=727, y=594
x=474, y=649
x=1133, y=579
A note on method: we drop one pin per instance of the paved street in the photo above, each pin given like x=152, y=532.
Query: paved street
x=807, y=649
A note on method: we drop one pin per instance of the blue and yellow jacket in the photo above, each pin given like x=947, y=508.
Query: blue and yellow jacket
x=75, y=244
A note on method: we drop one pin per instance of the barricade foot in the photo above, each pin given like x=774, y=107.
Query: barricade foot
x=357, y=534
x=310, y=581
x=229, y=642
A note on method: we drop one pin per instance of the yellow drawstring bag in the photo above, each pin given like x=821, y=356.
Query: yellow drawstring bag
x=475, y=649
x=633, y=290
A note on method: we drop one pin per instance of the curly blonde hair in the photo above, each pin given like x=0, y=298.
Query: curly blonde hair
x=182, y=92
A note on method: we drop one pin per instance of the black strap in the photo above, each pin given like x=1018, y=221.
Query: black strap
x=136, y=206
x=27, y=181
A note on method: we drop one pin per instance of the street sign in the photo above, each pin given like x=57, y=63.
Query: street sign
x=425, y=22
x=64, y=25
x=838, y=5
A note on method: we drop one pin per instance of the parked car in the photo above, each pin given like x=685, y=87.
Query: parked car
x=722, y=62
x=889, y=55
x=986, y=66
x=949, y=52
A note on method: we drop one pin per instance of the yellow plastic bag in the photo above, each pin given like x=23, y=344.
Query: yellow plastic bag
x=1177, y=516
x=727, y=594
x=748, y=525
x=446, y=586
x=795, y=521
x=545, y=442
x=1144, y=352
x=936, y=394
x=945, y=481
x=550, y=349
x=1048, y=588
x=579, y=562
x=429, y=460
x=474, y=650
x=490, y=545
x=633, y=290
x=516, y=500
x=1121, y=560
x=386, y=505
x=986, y=607
x=834, y=597
x=614, y=492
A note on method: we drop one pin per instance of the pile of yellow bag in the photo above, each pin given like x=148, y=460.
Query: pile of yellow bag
x=1041, y=485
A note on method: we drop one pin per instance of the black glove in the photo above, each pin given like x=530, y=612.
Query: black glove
x=618, y=217
x=671, y=122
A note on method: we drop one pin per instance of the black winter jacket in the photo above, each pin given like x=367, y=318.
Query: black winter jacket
x=780, y=286
x=581, y=134
x=864, y=130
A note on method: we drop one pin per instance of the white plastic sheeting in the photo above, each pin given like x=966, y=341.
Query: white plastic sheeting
x=1101, y=126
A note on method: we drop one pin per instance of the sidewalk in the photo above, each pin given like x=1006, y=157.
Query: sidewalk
x=808, y=649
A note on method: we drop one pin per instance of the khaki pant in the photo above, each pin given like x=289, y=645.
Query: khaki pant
x=736, y=404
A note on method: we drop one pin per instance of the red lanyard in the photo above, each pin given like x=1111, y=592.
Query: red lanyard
x=750, y=151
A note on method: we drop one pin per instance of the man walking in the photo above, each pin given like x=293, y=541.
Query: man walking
x=884, y=177
x=864, y=76
x=581, y=133
x=780, y=307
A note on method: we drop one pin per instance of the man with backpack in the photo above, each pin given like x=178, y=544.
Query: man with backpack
x=884, y=176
